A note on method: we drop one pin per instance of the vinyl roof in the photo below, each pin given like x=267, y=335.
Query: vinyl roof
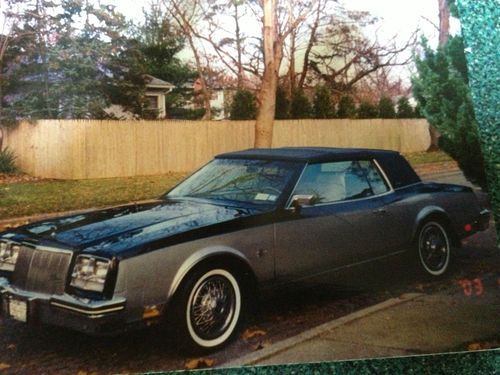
x=305, y=154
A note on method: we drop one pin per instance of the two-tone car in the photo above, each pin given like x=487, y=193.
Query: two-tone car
x=248, y=221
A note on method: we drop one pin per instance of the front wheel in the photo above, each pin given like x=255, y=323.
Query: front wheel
x=433, y=248
x=211, y=308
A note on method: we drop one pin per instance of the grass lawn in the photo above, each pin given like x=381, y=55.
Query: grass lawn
x=39, y=197
x=29, y=198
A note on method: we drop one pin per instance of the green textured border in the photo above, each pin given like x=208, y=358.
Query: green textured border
x=481, y=362
x=480, y=22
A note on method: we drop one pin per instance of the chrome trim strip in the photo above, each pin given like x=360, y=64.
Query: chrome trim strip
x=289, y=201
x=404, y=187
x=384, y=176
x=87, y=312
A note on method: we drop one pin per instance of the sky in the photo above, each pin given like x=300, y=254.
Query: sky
x=398, y=18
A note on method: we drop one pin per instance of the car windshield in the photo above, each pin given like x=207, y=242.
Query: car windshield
x=249, y=181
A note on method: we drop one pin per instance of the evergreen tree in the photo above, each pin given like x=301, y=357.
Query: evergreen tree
x=386, y=108
x=347, y=108
x=243, y=106
x=69, y=60
x=159, y=42
x=404, y=108
x=322, y=105
x=282, y=110
x=300, y=106
x=444, y=97
x=418, y=112
x=367, y=110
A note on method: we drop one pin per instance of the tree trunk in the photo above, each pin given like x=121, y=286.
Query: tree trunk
x=204, y=90
x=241, y=72
x=444, y=22
x=267, y=94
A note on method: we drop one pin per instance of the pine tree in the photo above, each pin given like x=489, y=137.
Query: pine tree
x=386, y=108
x=404, y=108
x=444, y=97
x=70, y=60
x=367, y=110
x=300, y=106
x=322, y=105
x=347, y=108
x=282, y=110
x=243, y=106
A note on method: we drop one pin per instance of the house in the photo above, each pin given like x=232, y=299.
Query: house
x=156, y=91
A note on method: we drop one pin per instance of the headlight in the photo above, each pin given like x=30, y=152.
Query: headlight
x=8, y=256
x=90, y=273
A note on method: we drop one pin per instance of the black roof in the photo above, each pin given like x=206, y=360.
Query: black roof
x=305, y=154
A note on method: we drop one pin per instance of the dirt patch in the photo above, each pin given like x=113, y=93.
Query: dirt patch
x=16, y=178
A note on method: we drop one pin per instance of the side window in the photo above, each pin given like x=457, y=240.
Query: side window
x=344, y=180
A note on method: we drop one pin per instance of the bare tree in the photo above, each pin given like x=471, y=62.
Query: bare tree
x=345, y=56
x=187, y=15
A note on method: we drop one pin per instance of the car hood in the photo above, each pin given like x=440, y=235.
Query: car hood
x=127, y=228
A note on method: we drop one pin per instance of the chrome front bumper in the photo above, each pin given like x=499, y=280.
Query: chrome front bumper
x=80, y=314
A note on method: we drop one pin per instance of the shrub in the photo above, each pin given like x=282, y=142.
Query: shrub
x=347, y=108
x=282, y=110
x=243, y=106
x=323, y=107
x=367, y=110
x=8, y=162
x=300, y=107
x=386, y=108
x=404, y=108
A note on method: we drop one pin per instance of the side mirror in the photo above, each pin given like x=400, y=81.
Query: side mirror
x=300, y=200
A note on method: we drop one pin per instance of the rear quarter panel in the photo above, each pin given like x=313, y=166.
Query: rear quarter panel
x=413, y=204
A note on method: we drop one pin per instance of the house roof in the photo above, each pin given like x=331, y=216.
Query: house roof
x=153, y=82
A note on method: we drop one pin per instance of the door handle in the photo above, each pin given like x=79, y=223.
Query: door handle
x=379, y=211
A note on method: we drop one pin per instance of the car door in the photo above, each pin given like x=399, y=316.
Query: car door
x=344, y=225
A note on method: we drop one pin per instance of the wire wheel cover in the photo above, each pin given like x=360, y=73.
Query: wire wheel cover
x=212, y=307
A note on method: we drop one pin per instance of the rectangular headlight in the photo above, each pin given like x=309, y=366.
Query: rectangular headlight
x=90, y=273
x=8, y=256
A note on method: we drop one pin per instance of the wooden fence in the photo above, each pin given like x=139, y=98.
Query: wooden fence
x=77, y=149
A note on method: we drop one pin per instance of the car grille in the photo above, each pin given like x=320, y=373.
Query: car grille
x=41, y=270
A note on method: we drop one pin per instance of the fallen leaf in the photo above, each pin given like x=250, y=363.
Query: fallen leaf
x=81, y=373
x=4, y=366
x=11, y=346
x=195, y=363
x=261, y=345
x=474, y=346
x=251, y=333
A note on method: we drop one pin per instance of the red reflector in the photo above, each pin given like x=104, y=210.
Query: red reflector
x=468, y=227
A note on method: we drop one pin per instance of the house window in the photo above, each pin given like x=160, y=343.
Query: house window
x=152, y=101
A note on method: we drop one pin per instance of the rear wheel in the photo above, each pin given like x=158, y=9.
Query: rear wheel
x=210, y=308
x=433, y=248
